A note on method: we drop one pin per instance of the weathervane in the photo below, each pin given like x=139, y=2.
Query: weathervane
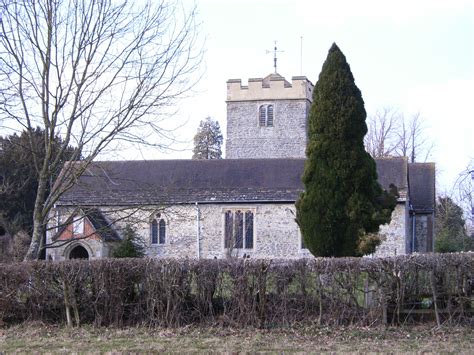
x=275, y=51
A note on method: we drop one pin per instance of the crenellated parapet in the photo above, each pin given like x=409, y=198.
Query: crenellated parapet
x=272, y=87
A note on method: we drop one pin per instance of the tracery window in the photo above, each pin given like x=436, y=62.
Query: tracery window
x=238, y=229
x=265, y=116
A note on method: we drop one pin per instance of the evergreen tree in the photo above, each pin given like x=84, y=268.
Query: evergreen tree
x=19, y=176
x=208, y=140
x=451, y=235
x=343, y=204
x=131, y=246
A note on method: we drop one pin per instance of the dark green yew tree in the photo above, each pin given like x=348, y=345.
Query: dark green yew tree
x=343, y=204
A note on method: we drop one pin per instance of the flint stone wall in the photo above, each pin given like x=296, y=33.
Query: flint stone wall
x=393, y=234
x=286, y=139
x=276, y=234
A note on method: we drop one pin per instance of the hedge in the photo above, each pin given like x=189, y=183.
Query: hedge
x=240, y=293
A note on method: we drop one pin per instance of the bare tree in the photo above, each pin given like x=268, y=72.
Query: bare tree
x=464, y=194
x=391, y=134
x=381, y=139
x=412, y=140
x=92, y=72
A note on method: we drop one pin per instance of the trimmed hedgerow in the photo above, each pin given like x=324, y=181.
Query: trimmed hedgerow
x=239, y=293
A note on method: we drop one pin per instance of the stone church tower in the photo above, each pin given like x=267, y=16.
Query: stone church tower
x=267, y=118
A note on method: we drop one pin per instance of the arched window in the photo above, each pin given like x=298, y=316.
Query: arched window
x=270, y=116
x=158, y=231
x=154, y=232
x=238, y=229
x=265, y=116
x=228, y=229
x=262, y=116
x=162, y=231
x=249, y=229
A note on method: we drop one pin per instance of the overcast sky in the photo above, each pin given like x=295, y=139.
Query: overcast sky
x=414, y=56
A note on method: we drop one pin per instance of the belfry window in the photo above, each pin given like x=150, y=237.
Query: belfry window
x=238, y=229
x=270, y=115
x=265, y=116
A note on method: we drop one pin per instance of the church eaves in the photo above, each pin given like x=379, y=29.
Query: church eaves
x=165, y=182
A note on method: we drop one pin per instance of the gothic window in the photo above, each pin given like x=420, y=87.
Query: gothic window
x=228, y=229
x=265, y=116
x=238, y=229
x=249, y=229
x=154, y=232
x=270, y=115
x=262, y=116
x=158, y=230
x=162, y=232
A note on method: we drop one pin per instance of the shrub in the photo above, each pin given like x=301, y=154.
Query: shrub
x=240, y=292
x=131, y=246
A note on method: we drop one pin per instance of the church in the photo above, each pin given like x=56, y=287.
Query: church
x=240, y=206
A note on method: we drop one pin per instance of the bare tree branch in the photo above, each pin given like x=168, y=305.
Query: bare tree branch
x=464, y=194
x=381, y=138
x=391, y=134
x=93, y=72
x=413, y=141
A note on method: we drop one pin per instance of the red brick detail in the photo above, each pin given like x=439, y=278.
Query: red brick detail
x=89, y=232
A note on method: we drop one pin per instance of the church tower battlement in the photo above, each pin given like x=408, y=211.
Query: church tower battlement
x=268, y=117
x=273, y=87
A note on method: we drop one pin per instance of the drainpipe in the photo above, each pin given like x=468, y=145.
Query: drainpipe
x=198, y=232
x=413, y=233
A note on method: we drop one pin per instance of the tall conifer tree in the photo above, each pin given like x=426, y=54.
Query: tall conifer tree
x=208, y=140
x=343, y=202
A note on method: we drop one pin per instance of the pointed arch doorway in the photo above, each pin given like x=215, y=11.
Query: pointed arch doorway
x=79, y=252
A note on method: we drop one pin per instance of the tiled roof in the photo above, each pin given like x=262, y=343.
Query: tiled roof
x=132, y=183
x=393, y=171
x=421, y=177
x=101, y=225
x=186, y=181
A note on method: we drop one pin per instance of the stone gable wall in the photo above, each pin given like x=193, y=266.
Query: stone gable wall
x=94, y=245
x=393, y=234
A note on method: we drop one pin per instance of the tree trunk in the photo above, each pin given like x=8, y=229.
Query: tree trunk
x=38, y=220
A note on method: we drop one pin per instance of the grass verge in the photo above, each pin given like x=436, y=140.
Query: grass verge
x=34, y=337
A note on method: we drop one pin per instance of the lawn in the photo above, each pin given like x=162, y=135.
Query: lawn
x=36, y=337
